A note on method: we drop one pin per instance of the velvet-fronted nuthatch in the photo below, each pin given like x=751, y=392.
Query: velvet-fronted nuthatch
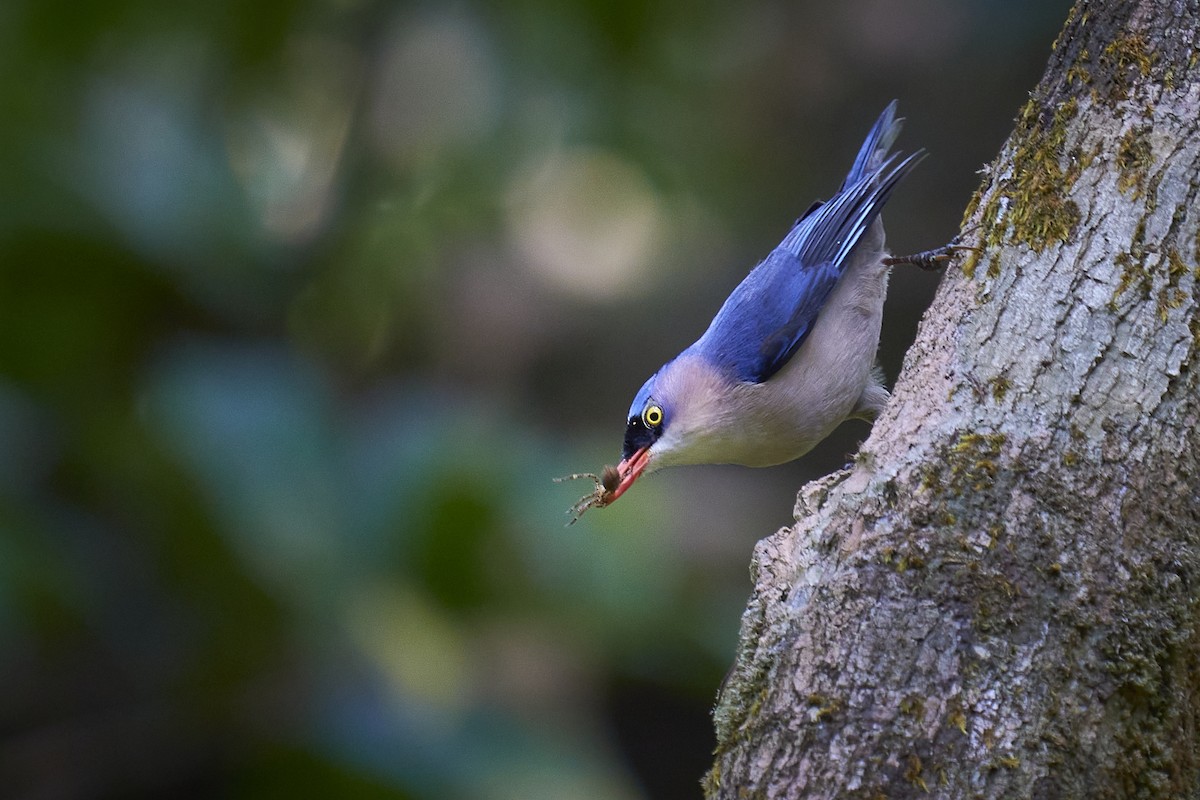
x=791, y=354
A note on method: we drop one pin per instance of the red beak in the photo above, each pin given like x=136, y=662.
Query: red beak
x=629, y=470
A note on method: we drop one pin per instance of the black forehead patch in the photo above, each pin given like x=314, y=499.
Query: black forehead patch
x=637, y=436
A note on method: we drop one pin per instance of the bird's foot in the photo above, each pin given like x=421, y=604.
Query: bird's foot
x=931, y=260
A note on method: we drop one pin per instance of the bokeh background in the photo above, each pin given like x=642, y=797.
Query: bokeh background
x=303, y=303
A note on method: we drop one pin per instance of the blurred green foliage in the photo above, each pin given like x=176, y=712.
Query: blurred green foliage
x=303, y=303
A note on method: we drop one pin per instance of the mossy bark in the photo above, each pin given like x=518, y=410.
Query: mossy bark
x=1001, y=598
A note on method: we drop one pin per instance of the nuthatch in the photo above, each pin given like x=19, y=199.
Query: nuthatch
x=791, y=353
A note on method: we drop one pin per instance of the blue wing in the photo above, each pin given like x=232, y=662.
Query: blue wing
x=769, y=315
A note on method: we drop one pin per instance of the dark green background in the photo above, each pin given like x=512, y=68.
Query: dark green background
x=303, y=304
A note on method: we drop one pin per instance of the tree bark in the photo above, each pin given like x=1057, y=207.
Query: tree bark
x=1000, y=598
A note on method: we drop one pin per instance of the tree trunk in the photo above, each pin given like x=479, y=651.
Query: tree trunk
x=1000, y=598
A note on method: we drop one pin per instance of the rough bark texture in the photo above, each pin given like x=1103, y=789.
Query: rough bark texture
x=1000, y=598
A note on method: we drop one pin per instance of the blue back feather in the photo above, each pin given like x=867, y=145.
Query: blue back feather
x=769, y=315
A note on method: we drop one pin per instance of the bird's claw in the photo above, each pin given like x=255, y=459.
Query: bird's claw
x=931, y=260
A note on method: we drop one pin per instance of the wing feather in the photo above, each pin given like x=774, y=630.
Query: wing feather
x=768, y=316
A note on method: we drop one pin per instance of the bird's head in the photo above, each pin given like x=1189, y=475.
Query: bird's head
x=677, y=417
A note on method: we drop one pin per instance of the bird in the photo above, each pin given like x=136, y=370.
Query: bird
x=791, y=354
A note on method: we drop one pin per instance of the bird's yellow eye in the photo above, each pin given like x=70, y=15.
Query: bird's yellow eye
x=652, y=416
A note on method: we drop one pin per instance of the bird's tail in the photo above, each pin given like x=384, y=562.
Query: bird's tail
x=876, y=146
x=830, y=231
